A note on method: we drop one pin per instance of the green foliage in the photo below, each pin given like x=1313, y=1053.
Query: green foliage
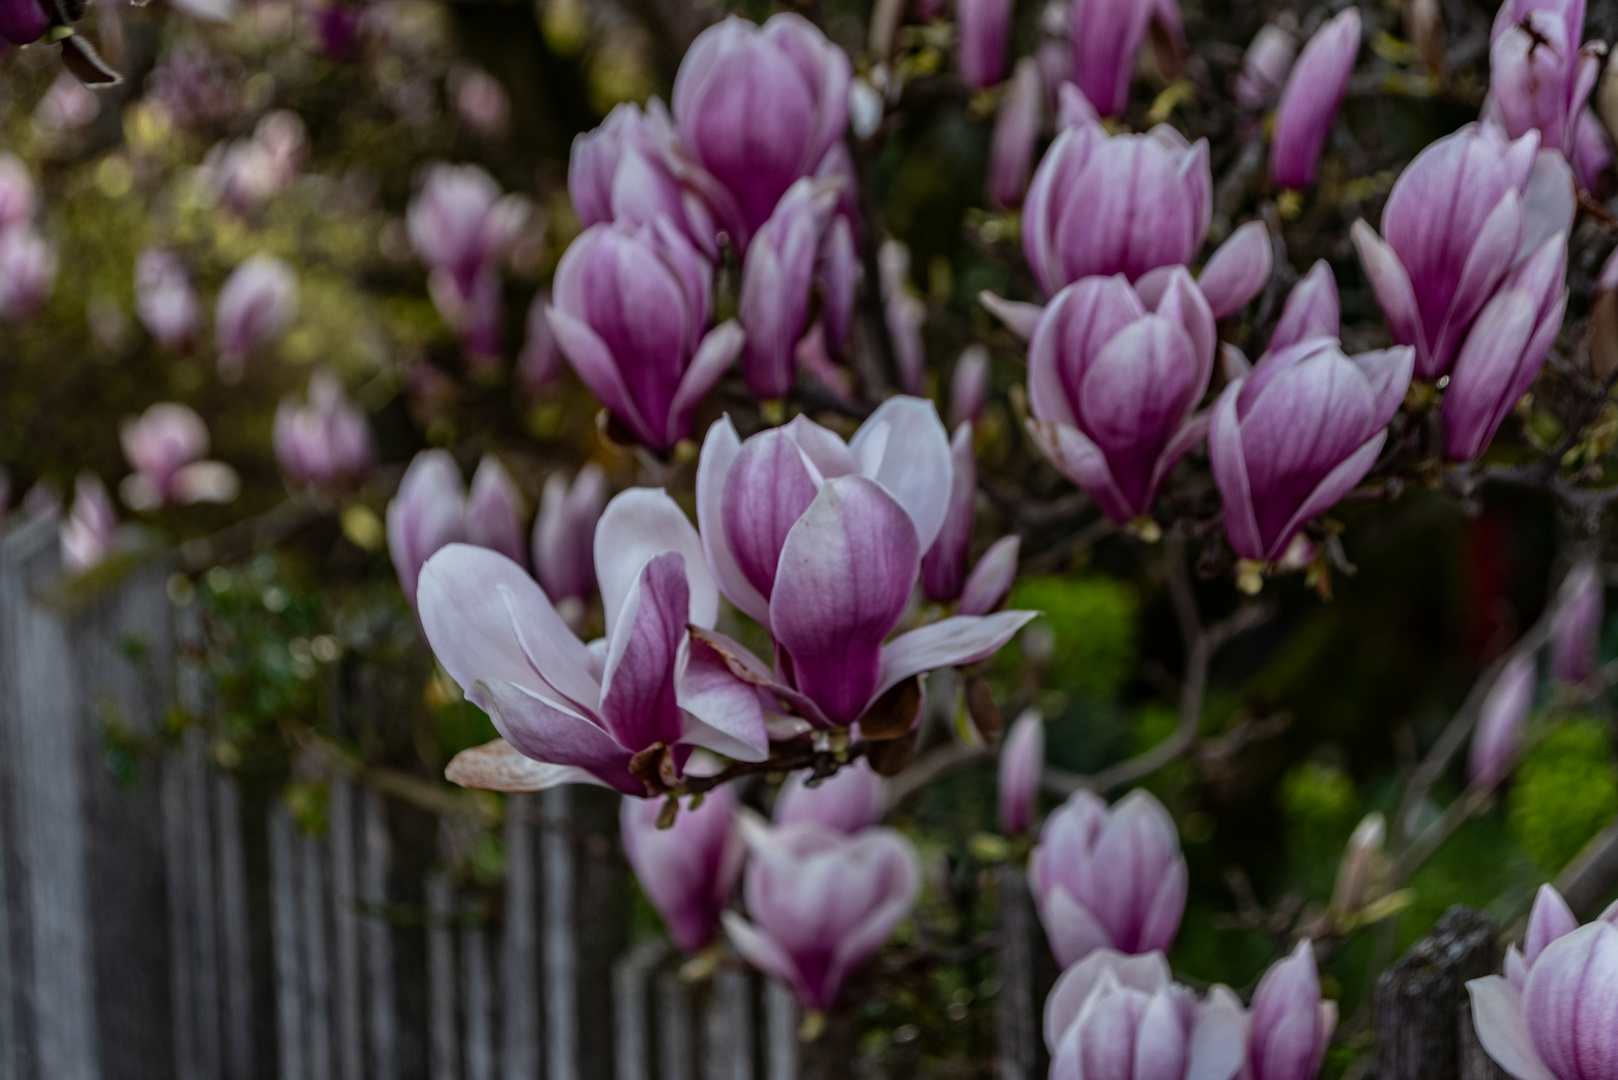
x=462, y=725
x=1092, y=623
x=1566, y=791
x=1320, y=806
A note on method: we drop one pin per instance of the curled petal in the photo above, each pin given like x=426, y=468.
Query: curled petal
x=1238, y=271
x=846, y=573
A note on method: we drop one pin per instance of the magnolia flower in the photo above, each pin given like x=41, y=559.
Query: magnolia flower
x=256, y=305
x=1113, y=385
x=1576, y=626
x=1108, y=878
x=165, y=299
x=821, y=541
x=27, y=272
x=326, y=442
x=1296, y=434
x=1106, y=204
x=1592, y=149
x=480, y=100
x=166, y=446
x=1106, y=35
x=1265, y=66
x=632, y=169
x=475, y=314
x=626, y=716
x=943, y=568
x=821, y=904
x=905, y=315
x=630, y=312
x=1117, y=1017
x=1289, y=1026
x=1500, y=721
x=540, y=362
x=427, y=513
x=23, y=21
x=761, y=106
x=1016, y=131
x=689, y=869
x=1504, y=350
x=1310, y=101
x=778, y=279
x=1461, y=215
x=1022, y=759
x=18, y=197
x=495, y=513
x=432, y=509
x=461, y=224
x=990, y=581
x=336, y=24
x=1554, y=1015
x=848, y=801
x=1312, y=310
x=969, y=386
x=982, y=28
x=564, y=533
x=1539, y=77
x=91, y=529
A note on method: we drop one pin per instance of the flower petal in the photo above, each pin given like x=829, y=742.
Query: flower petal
x=903, y=446
x=713, y=357
x=547, y=733
x=847, y=571
x=637, y=525
x=719, y=452
x=637, y=685
x=499, y=766
x=462, y=601
x=951, y=642
x=1238, y=270
x=1497, y=1017
x=727, y=708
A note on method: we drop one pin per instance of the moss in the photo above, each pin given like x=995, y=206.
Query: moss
x=1566, y=792
x=1093, y=621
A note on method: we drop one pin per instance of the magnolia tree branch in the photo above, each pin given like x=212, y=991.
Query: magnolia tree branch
x=1202, y=642
x=1595, y=863
x=1456, y=731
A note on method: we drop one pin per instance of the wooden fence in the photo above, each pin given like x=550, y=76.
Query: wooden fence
x=160, y=922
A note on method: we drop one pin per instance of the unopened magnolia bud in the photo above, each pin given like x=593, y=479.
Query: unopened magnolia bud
x=1360, y=874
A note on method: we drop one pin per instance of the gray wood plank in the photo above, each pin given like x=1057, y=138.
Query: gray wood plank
x=676, y=1027
x=375, y=859
x=350, y=1036
x=122, y=641
x=632, y=1008
x=477, y=1004
x=40, y=710
x=236, y=956
x=1027, y=972
x=557, y=865
x=780, y=1032
x=443, y=1063
x=312, y=915
x=284, y=895
x=519, y=948
x=729, y=1027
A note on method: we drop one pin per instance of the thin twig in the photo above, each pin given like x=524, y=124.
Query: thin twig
x=1201, y=644
x=930, y=766
x=1455, y=733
